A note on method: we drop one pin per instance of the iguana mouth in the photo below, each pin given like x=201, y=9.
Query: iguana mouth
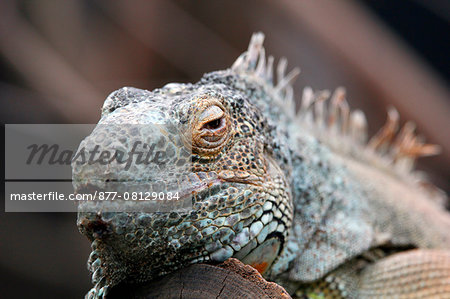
x=193, y=184
x=197, y=188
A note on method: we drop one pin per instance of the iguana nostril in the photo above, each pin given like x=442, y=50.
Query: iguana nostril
x=99, y=228
x=94, y=226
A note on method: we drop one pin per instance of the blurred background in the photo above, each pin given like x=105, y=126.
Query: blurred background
x=60, y=59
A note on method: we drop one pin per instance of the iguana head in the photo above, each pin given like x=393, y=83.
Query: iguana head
x=221, y=153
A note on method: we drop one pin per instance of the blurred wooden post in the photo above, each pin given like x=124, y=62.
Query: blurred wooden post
x=390, y=71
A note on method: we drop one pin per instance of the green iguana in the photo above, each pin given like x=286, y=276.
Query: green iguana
x=302, y=196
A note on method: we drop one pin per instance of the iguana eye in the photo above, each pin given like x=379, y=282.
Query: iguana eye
x=213, y=120
x=210, y=130
x=214, y=124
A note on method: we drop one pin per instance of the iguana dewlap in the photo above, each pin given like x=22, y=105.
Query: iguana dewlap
x=301, y=196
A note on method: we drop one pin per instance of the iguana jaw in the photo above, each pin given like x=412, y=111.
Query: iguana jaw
x=233, y=215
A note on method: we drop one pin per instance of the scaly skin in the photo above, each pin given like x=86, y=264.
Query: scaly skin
x=299, y=196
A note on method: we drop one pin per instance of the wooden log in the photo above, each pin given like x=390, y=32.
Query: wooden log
x=231, y=279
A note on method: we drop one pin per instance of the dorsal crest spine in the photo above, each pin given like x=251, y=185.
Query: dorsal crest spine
x=331, y=120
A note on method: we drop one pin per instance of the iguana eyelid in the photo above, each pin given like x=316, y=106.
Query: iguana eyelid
x=210, y=129
x=211, y=113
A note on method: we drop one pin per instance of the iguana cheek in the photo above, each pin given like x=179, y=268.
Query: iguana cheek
x=262, y=257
